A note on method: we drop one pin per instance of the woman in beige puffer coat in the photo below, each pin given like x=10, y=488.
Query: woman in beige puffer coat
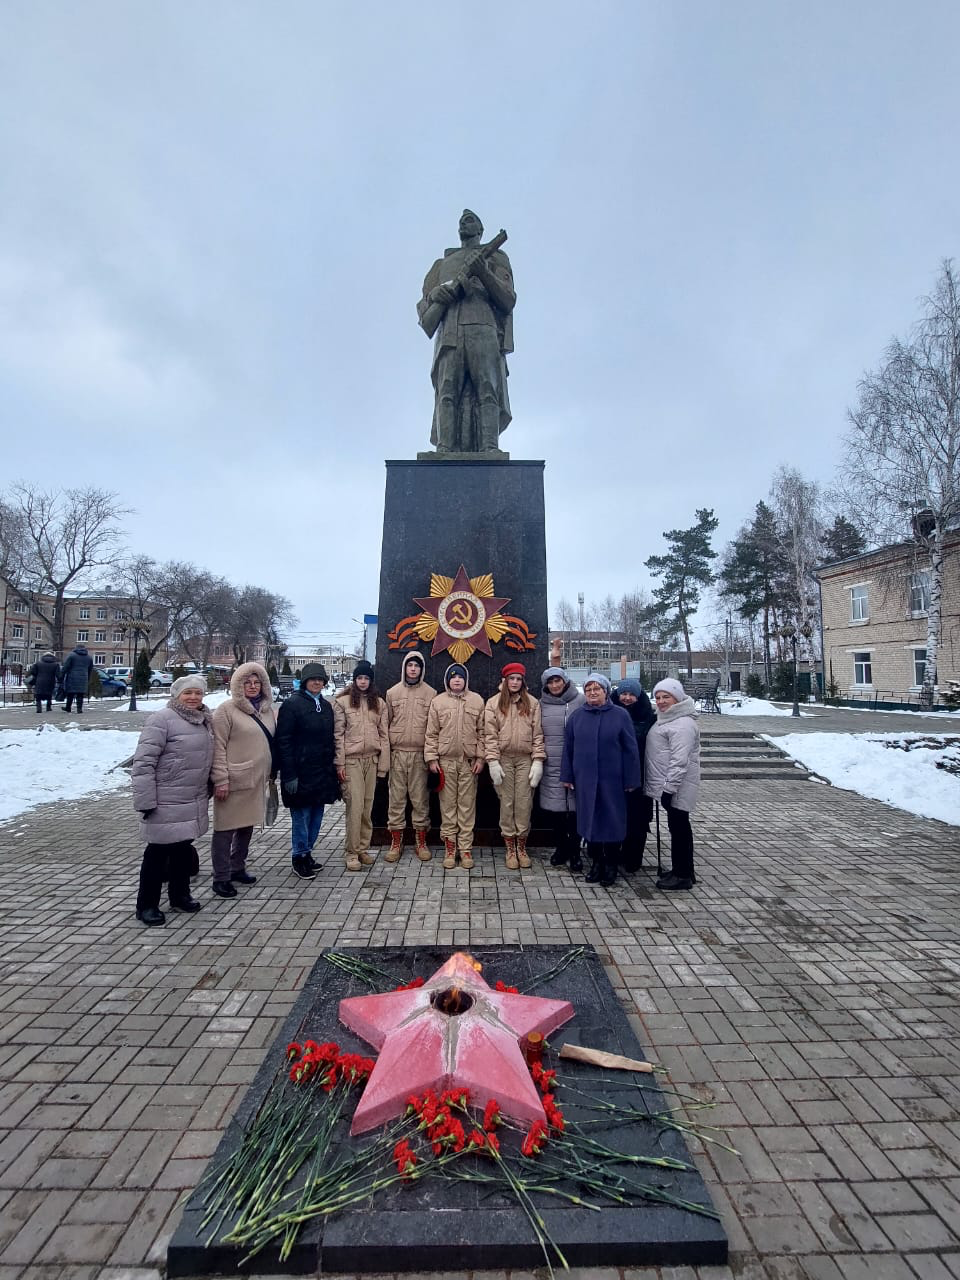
x=243, y=730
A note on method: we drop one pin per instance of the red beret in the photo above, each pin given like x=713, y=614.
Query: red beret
x=513, y=669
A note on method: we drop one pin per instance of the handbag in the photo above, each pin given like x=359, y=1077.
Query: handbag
x=273, y=805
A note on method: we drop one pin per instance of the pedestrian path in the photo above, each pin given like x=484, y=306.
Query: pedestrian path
x=808, y=987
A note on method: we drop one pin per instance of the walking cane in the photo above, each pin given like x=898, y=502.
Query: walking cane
x=657, y=814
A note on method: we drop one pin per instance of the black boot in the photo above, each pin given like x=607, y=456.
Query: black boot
x=151, y=915
x=596, y=863
x=186, y=904
x=608, y=866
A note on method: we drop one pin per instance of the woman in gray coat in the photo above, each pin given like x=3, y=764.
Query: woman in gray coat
x=673, y=776
x=171, y=790
x=559, y=699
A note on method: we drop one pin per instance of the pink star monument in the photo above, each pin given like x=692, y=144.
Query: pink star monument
x=453, y=1032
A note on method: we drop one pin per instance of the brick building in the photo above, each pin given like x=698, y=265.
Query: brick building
x=875, y=621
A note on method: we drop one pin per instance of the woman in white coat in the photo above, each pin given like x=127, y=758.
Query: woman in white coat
x=673, y=776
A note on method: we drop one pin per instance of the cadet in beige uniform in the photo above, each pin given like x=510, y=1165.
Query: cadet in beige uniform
x=408, y=705
x=513, y=739
x=362, y=756
x=454, y=744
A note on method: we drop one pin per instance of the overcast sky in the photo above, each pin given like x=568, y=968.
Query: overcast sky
x=216, y=219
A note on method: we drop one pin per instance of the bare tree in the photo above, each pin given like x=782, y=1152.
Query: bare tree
x=258, y=616
x=799, y=509
x=903, y=449
x=65, y=535
x=565, y=615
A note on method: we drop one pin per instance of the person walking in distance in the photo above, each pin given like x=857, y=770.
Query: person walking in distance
x=408, y=705
x=362, y=756
x=513, y=742
x=43, y=677
x=453, y=748
x=75, y=677
x=306, y=755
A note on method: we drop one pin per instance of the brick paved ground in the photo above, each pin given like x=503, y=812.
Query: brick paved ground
x=808, y=987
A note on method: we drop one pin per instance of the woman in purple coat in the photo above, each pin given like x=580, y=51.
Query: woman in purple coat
x=601, y=763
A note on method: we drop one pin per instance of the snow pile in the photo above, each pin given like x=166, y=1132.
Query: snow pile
x=59, y=764
x=755, y=707
x=899, y=769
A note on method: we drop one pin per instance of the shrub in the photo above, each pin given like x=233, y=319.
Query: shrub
x=753, y=686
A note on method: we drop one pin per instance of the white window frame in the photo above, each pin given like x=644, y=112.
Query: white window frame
x=83, y=636
x=17, y=632
x=118, y=637
x=101, y=613
x=99, y=659
x=918, y=665
x=863, y=658
x=83, y=614
x=118, y=660
x=38, y=633
x=864, y=588
x=14, y=655
x=118, y=615
x=99, y=637
x=919, y=582
x=19, y=606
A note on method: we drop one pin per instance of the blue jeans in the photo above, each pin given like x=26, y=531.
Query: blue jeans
x=305, y=829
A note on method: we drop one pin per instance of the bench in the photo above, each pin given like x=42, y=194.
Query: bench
x=285, y=685
x=703, y=691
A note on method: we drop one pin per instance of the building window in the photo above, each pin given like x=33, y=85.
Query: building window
x=101, y=613
x=117, y=637
x=920, y=666
x=118, y=615
x=38, y=633
x=19, y=607
x=13, y=655
x=18, y=632
x=100, y=637
x=117, y=659
x=919, y=592
x=83, y=613
x=99, y=659
x=859, y=604
x=862, y=669
x=82, y=637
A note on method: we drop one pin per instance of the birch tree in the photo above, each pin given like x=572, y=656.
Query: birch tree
x=903, y=448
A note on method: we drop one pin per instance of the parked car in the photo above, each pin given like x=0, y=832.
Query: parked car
x=112, y=686
x=160, y=679
x=120, y=673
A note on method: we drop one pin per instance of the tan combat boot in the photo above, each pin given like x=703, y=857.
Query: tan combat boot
x=450, y=853
x=353, y=862
x=522, y=856
x=423, y=853
x=511, y=843
x=396, y=847
x=466, y=859
x=368, y=858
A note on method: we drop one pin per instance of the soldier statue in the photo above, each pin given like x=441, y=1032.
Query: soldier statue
x=467, y=308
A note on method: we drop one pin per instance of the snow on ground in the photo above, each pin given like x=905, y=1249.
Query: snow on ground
x=745, y=706
x=885, y=711
x=898, y=768
x=59, y=764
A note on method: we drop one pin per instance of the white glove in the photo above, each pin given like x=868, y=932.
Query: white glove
x=536, y=772
x=496, y=772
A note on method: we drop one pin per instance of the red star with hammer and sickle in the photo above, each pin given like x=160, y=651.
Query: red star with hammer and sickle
x=421, y=1048
x=468, y=614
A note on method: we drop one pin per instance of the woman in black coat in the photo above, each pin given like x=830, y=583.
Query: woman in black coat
x=44, y=676
x=306, y=755
x=631, y=696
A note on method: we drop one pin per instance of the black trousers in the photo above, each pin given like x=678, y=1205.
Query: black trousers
x=41, y=697
x=170, y=862
x=79, y=697
x=565, y=835
x=639, y=817
x=681, y=839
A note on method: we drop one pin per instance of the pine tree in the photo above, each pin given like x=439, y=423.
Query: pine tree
x=285, y=669
x=141, y=672
x=755, y=574
x=842, y=539
x=684, y=569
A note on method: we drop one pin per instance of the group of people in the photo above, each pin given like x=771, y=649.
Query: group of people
x=600, y=759
x=48, y=680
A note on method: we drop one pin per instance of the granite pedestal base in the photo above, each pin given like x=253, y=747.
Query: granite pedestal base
x=454, y=1226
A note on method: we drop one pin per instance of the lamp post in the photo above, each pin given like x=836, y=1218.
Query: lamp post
x=789, y=632
x=139, y=628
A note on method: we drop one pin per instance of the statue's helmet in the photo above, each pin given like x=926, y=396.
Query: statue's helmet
x=467, y=215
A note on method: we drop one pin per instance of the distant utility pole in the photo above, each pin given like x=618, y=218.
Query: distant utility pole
x=726, y=655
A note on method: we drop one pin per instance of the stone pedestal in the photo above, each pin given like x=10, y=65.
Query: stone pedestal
x=489, y=517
